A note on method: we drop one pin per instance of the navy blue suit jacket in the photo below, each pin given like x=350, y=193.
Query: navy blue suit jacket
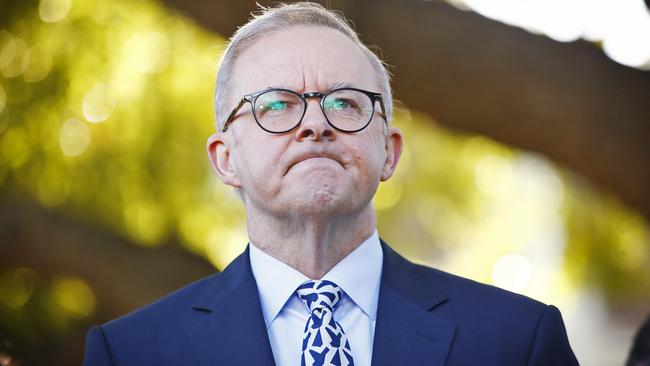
x=424, y=317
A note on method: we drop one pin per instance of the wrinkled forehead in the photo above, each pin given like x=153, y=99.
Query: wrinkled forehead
x=302, y=58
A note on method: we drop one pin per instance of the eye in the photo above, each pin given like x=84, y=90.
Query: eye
x=337, y=104
x=277, y=102
x=275, y=105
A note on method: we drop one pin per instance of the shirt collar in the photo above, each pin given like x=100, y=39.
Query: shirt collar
x=358, y=275
x=276, y=282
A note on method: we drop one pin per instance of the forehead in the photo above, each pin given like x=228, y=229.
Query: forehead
x=303, y=58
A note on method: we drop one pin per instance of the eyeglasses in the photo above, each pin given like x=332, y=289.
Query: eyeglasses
x=281, y=110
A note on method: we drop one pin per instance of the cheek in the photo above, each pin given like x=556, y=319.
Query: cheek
x=369, y=159
x=358, y=155
x=260, y=163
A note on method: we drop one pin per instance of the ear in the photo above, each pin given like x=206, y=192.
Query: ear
x=394, y=144
x=221, y=159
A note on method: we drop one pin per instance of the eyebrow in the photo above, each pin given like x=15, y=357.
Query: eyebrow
x=330, y=87
x=337, y=85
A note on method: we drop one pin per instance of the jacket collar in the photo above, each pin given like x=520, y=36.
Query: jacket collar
x=408, y=331
x=227, y=327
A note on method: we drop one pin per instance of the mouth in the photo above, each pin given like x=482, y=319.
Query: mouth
x=317, y=159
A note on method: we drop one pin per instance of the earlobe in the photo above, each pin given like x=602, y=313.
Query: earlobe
x=394, y=145
x=222, y=161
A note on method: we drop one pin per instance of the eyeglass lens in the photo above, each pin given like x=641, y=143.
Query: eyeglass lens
x=347, y=110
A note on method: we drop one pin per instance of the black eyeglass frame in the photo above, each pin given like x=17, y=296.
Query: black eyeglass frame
x=252, y=98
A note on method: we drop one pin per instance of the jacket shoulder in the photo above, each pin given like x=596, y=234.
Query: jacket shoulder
x=461, y=289
x=163, y=310
x=158, y=322
x=153, y=334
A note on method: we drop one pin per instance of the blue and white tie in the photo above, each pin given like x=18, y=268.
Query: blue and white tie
x=324, y=342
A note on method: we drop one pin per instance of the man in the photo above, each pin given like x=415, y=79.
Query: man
x=303, y=113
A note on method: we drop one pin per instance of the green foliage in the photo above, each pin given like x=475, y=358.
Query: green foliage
x=107, y=118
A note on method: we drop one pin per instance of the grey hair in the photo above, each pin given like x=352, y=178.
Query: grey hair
x=280, y=17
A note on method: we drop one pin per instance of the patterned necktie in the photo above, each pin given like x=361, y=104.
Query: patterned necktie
x=324, y=342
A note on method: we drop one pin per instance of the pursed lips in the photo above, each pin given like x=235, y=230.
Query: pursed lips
x=314, y=156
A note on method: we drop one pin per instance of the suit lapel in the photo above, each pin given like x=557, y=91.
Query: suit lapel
x=226, y=325
x=408, y=332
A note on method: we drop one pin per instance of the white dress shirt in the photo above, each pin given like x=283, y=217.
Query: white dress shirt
x=285, y=315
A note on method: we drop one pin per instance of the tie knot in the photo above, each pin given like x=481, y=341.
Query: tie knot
x=319, y=294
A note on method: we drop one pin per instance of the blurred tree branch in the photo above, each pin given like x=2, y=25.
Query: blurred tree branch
x=123, y=275
x=565, y=100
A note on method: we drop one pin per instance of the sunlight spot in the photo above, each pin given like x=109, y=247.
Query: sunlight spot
x=148, y=52
x=14, y=58
x=623, y=27
x=540, y=185
x=74, y=296
x=493, y=174
x=7, y=48
x=98, y=103
x=512, y=272
x=74, y=137
x=40, y=64
x=52, y=11
x=224, y=245
x=626, y=35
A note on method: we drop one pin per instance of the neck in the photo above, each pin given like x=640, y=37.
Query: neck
x=312, y=244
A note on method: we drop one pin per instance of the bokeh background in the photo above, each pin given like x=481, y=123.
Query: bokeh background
x=527, y=127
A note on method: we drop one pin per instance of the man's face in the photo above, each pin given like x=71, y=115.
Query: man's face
x=313, y=169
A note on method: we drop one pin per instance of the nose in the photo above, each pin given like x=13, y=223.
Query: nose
x=314, y=125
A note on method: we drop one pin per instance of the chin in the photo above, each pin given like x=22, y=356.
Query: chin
x=324, y=196
x=320, y=199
